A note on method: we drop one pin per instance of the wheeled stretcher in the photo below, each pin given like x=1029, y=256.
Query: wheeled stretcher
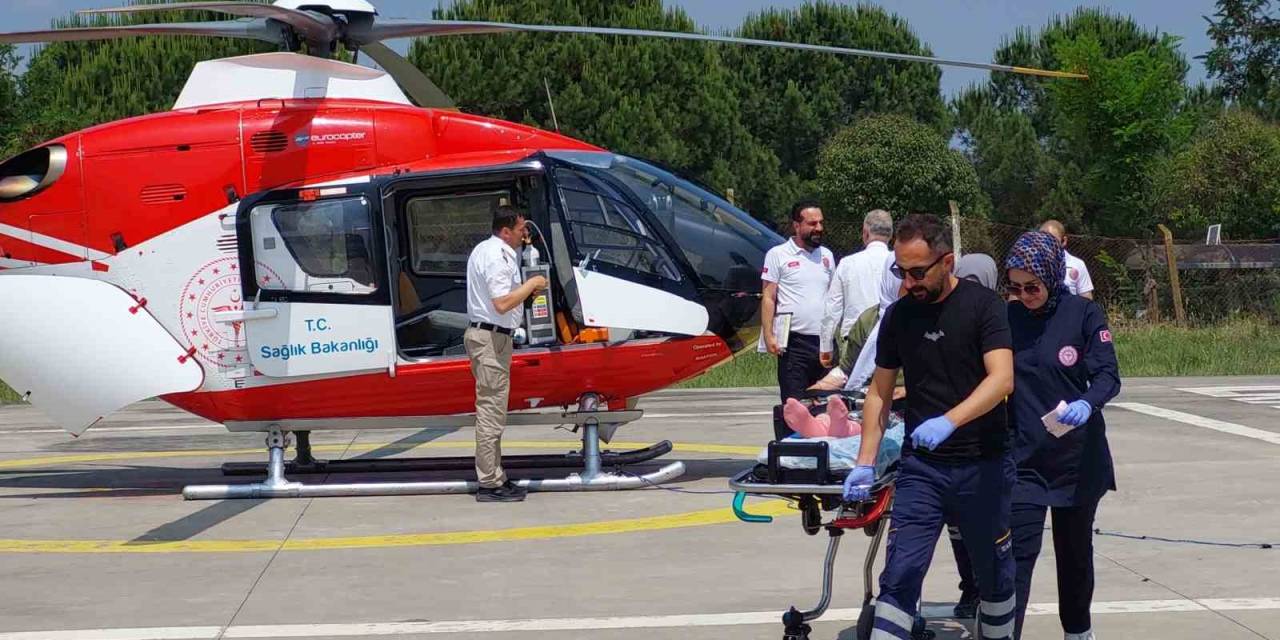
x=817, y=491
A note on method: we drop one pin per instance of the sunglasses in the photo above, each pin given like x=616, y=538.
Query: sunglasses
x=1030, y=288
x=916, y=273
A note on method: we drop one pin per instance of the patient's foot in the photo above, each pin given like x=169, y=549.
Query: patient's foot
x=838, y=415
x=797, y=416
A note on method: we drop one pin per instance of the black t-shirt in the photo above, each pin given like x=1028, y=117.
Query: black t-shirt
x=939, y=347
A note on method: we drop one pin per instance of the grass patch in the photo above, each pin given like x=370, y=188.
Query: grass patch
x=7, y=395
x=1239, y=347
x=746, y=369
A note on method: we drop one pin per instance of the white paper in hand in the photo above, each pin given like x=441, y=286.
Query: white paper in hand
x=781, y=332
x=1051, y=423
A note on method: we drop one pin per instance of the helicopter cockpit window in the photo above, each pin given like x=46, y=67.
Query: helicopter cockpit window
x=320, y=246
x=718, y=239
x=605, y=227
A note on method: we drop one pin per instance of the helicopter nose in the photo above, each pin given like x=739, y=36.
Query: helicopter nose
x=726, y=249
x=722, y=244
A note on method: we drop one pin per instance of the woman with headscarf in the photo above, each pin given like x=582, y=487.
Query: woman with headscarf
x=1064, y=372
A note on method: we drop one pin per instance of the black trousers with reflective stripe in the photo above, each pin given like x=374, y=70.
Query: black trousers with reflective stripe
x=1073, y=550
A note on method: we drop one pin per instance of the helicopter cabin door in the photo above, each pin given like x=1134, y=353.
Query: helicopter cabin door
x=626, y=278
x=315, y=281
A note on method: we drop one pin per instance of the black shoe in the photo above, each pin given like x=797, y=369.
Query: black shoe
x=508, y=492
x=967, y=608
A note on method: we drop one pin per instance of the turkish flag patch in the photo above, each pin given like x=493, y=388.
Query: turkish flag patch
x=765, y=271
x=793, y=264
x=1104, y=335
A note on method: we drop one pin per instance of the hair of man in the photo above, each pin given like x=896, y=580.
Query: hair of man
x=797, y=209
x=1056, y=228
x=506, y=217
x=878, y=223
x=929, y=228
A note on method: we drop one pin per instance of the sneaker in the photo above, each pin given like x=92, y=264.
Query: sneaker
x=967, y=608
x=508, y=492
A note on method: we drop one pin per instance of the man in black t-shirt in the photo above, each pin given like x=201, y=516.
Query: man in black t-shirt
x=951, y=339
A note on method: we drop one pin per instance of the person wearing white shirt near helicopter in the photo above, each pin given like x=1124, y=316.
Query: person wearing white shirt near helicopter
x=494, y=298
x=796, y=276
x=1077, y=279
x=856, y=284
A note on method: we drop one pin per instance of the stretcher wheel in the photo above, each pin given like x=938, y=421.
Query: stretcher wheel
x=810, y=515
x=866, y=620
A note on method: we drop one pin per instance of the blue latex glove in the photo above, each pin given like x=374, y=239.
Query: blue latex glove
x=857, y=485
x=932, y=432
x=1076, y=413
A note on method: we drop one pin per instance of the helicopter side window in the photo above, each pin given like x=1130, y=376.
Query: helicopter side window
x=319, y=246
x=444, y=229
x=606, y=228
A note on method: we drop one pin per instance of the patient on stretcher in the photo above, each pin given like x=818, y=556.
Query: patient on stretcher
x=842, y=432
x=836, y=422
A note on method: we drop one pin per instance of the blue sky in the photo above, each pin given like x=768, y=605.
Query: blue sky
x=966, y=30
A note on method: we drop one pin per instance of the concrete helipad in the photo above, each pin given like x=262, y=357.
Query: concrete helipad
x=96, y=541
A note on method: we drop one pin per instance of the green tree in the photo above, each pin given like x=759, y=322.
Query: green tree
x=1078, y=150
x=1246, y=55
x=1116, y=35
x=1013, y=166
x=8, y=96
x=895, y=163
x=795, y=101
x=1228, y=175
x=670, y=101
x=1117, y=124
x=72, y=85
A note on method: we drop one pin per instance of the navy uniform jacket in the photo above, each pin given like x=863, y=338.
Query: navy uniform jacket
x=1065, y=356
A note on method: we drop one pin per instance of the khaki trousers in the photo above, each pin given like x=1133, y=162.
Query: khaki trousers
x=490, y=354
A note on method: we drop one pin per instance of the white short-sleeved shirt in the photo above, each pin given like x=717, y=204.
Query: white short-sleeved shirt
x=854, y=289
x=493, y=271
x=802, y=278
x=1078, y=280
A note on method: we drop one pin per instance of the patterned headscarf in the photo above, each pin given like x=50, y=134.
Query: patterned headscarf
x=1041, y=255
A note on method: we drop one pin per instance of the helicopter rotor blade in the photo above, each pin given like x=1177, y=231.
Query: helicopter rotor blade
x=310, y=27
x=249, y=30
x=420, y=89
x=386, y=29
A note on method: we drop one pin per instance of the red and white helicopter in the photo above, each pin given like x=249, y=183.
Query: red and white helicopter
x=284, y=251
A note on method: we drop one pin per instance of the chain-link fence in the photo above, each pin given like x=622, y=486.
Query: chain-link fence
x=1131, y=275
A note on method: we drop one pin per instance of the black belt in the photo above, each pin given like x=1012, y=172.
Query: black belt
x=491, y=327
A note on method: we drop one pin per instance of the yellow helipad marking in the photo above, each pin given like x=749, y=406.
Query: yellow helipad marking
x=44, y=461
x=545, y=532
x=573, y=530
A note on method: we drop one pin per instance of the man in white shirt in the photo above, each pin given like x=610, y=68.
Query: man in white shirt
x=495, y=297
x=1077, y=279
x=796, y=276
x=856, y=284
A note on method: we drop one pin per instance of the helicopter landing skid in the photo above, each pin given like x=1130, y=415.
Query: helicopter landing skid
x=304, y=463
x=590, y=478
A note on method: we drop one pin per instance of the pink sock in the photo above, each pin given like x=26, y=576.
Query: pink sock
x=838, y=414
x=797, y=417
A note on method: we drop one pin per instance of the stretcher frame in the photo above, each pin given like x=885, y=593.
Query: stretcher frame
x=813, y=498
